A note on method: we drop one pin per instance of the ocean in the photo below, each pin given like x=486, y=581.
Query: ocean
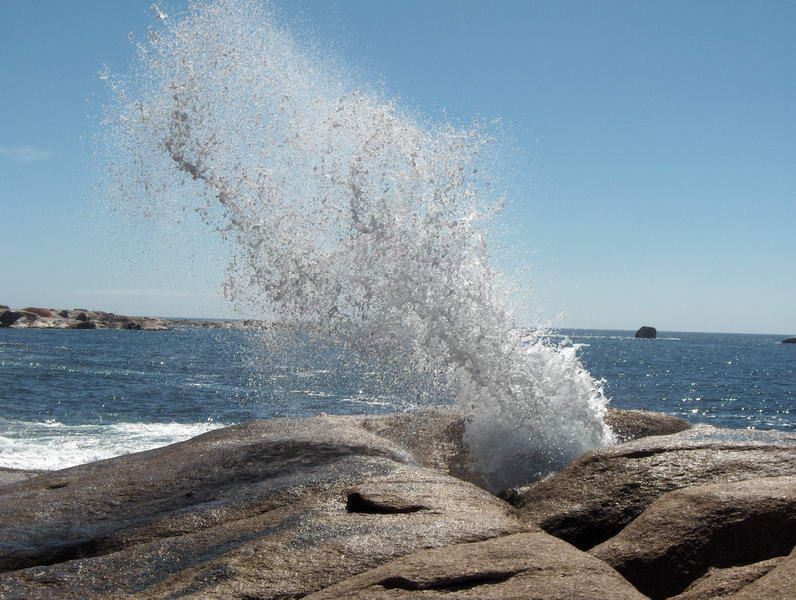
x=74, y=396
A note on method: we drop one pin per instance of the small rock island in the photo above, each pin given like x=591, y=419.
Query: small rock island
x=647, y=332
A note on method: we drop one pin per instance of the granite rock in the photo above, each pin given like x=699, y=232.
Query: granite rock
x=525, y=565
x=630, y=425
x=720, y=583
x=267, y=509
x=778, y=584
x=597, y=495
x=685, y=532
x=8, y=475
x=627, y=425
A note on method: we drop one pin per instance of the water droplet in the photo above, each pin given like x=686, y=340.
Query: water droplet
x=160, y=15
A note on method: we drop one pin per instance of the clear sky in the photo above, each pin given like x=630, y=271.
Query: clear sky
x=653, y=150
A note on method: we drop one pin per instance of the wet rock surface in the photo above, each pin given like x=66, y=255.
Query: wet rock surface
x=630, y=425
x=778, y=584
x=686, y=532
x=274, y=509
x=367, y=507
x=597, y=495
x=515, y=566
x=12, y=475
x=720, y=583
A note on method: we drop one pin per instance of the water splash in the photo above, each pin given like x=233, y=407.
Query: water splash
x=352, y=216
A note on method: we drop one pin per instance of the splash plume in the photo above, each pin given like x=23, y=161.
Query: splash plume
x=351, y=215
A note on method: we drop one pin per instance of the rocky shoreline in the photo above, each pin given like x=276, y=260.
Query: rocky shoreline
x=373, y=507
x=81, y=318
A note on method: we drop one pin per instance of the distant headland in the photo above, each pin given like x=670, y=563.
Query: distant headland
x=81, y=318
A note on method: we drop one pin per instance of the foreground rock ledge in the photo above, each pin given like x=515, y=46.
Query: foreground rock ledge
x=359, y=507
x=238, y=513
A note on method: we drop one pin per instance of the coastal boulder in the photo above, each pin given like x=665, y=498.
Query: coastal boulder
x=647, y=332
x=777, y=584
x=266, y=509
x=627, y=425
x=529, y=565
x=435, y=437
x=685, y=532
x=598, y=494
x=720, y=583
x=630, y=425
x=82, y=325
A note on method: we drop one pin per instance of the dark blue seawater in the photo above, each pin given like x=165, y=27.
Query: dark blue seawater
x=70, y=396
x=726, y=380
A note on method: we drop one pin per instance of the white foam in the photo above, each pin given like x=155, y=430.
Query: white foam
x=53, y=445
x=351, y=215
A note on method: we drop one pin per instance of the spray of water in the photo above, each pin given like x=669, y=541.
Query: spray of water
x=350, y=215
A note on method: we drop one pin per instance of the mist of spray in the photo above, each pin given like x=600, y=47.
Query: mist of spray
x=349, y=215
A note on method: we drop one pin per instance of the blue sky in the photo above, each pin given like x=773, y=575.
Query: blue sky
x=652, y=151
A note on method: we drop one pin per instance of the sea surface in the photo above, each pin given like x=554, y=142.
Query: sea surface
x=73, y=396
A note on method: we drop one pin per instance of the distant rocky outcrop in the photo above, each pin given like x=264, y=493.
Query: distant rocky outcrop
x=17, y=318
x=789, y=340
x=81, y=318
x=646, y=332
x=82, y=324
x=9, y=317
x=41, y=312
x=51, y=318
